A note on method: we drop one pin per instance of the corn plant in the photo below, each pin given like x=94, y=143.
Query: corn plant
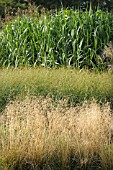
x=66, y=37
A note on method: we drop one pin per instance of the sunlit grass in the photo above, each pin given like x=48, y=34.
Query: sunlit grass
x=66, y=37
x=37, y=134
x=77, y=85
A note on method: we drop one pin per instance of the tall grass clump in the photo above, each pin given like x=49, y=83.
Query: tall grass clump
x=67, y=37
x=36, y=135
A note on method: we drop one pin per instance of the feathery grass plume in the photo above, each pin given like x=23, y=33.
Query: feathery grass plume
x=36, y=134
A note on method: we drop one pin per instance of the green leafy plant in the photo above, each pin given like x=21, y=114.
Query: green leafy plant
x=66, y=37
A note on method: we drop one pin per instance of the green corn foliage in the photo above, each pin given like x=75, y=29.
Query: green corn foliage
x=66, y=37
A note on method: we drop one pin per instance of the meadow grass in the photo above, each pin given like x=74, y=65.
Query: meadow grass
x=57, y=119
x=76, y=85
x=37, y=134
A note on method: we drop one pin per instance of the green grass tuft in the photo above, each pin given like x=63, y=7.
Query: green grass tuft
x=60, y=83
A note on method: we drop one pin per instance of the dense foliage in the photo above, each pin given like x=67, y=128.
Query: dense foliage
x=106, y=4
x=67, y=37
x=83, y=4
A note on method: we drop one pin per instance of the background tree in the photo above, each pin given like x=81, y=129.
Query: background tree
x=104, y=4
x=52, y=4
x=13, y=4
